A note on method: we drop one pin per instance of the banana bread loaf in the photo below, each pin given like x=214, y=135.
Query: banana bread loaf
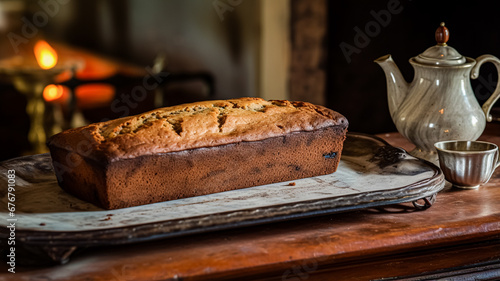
x=196, y=149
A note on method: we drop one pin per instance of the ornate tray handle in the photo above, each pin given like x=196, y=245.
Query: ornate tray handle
x=428, y=202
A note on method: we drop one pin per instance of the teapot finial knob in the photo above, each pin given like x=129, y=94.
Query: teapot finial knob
x=442, y=34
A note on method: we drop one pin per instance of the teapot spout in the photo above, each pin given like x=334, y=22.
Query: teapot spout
x=397, y=87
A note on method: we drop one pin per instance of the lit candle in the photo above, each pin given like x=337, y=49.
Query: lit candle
x=45, y=55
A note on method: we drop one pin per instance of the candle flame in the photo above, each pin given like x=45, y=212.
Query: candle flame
x=45, y=55
x=52, y=92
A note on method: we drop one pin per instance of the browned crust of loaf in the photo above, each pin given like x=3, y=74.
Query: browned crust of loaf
x=156, y=178
x=194, y=125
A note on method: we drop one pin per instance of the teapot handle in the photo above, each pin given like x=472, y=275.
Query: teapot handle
x=496, y=94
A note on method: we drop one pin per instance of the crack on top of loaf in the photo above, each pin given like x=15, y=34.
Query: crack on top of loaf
x=223, y=104
x=142, y=126
x=176, y=125
x=325, y=113
x=221, y=120
x=297, y=104
x=136, y=124
x=124, y=128
x=282, y=103
x=234, y=104
x=177, y=112
x=257, y=107
x=196, y=109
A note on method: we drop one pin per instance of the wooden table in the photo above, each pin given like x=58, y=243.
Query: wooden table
x=458, y=236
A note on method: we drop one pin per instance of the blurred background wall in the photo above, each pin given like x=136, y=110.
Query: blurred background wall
x=308, y=50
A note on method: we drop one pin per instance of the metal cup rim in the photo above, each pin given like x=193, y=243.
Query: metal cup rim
x=495, y=147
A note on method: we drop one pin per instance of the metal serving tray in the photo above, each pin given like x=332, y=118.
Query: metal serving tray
x=53, y=224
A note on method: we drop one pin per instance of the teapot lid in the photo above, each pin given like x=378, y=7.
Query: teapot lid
x=441, y=54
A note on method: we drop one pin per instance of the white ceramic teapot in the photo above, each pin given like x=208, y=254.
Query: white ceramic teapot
x=439, y=103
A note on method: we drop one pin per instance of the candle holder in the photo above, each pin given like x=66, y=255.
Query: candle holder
x=30, y=80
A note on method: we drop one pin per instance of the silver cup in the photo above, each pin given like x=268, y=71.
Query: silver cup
x=467, y=164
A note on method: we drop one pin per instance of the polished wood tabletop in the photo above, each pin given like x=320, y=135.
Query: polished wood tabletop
x=458, y=236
